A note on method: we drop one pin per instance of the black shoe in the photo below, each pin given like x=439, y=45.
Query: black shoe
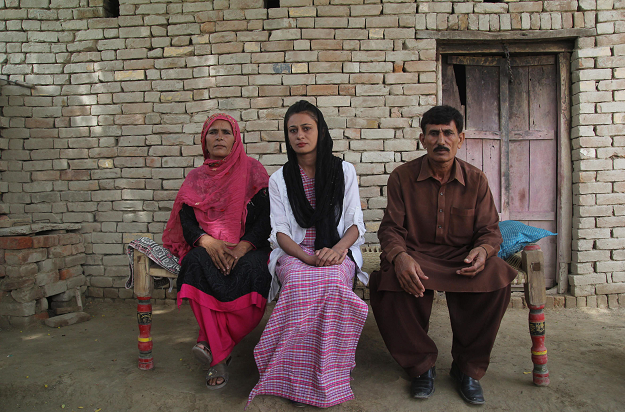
x=469, y=388
x=422, y=387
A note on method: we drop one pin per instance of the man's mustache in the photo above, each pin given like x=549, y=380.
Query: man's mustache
x=440, y=147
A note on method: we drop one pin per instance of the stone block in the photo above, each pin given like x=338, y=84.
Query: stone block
x=558, y=302
x=610, y=288
x=517, y=302
x=70, y=272
x=592, y=279
x=591, y=255
x=27, y=294
x=610, y=266
x=585, y=290
x=125, y=293
x=377, y=157
x=591, y=301
x=9, y=284
x=95, y=292
x=21, y=257
x=570, y=301
x=112, y=293
x=101, y=282
x=77, y=281
x=67, y=319
x=10, y=307
x=16, y=242
x=54, y=288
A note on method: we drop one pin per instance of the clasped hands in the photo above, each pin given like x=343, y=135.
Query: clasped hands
x=225, y=255
x=326, y=257
x=409, y=273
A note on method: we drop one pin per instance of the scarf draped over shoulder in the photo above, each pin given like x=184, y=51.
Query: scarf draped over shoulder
x=218, y=191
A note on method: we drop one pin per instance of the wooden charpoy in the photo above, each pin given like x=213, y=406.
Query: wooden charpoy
x=531, y=275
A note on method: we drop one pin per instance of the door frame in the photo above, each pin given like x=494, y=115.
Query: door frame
x=562, y=51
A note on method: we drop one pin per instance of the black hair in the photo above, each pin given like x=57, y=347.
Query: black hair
x=442, y=115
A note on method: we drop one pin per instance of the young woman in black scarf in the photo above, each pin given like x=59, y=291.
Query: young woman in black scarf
x=307, y=350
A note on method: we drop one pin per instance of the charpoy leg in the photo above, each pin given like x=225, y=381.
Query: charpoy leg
x=403, y=321
x=539, y=351
x=475, y=320
x=533, y=264
x=144, y=284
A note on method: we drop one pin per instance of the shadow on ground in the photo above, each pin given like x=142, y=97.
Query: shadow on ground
x=93, y=367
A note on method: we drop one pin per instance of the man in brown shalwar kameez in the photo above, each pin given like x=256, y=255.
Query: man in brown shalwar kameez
x=440, y=232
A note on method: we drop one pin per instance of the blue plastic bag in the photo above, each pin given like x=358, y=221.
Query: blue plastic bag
x=517, y=235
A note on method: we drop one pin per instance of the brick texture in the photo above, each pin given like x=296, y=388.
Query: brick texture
x=112, y=126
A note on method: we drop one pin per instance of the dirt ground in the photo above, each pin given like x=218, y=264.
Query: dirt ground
x=92, y=366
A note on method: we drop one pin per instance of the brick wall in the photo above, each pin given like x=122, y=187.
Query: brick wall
x=38, y=273
x=112, y=126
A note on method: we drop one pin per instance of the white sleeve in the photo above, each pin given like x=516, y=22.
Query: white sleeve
x=351, y=203
x=278, y=215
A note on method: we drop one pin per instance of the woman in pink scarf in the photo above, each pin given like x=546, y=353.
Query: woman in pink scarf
x=219, y=227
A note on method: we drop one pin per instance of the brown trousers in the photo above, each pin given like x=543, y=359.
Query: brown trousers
x=404, y=320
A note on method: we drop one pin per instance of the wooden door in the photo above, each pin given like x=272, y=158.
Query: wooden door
x=510, y=109
x=533, y=150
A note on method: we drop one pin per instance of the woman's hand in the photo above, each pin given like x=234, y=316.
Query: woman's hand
x=330, y=256
x=336, y=254
x=219, y=252
x=293, y=249
x=310, y=260
x=237, y=253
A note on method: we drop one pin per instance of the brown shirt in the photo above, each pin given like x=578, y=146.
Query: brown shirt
x=438, y=225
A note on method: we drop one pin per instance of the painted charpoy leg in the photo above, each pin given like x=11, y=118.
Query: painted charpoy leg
x=144, y=284
x=536, y=298
x=144, y=318
x=539, y=351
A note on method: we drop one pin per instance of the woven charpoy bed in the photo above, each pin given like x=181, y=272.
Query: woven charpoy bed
x=146, y=256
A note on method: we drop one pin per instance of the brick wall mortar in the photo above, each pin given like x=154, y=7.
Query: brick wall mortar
x=112, y=127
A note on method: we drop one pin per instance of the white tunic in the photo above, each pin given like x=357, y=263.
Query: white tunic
x=283, y=220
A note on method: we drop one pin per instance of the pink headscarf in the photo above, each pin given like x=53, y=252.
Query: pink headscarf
x=218, y=191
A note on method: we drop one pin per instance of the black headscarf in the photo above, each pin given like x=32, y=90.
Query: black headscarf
x=329, y=182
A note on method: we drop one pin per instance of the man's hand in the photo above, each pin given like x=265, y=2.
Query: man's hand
x=477, y=259
x=409, y=274
x=219, y=252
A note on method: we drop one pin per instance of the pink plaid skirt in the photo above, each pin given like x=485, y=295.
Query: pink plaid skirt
x=307, y=350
